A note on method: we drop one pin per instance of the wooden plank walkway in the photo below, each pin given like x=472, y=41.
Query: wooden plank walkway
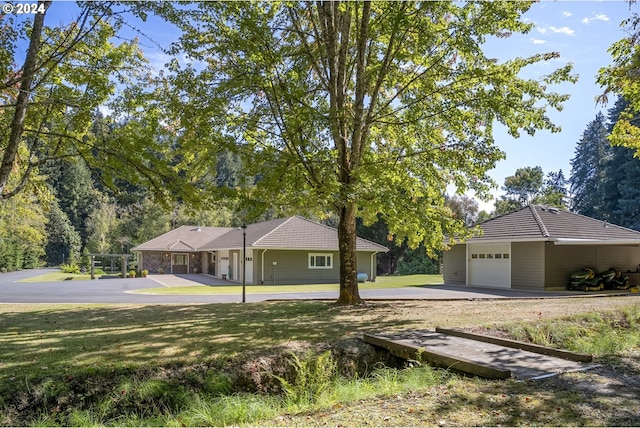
x=475, y=355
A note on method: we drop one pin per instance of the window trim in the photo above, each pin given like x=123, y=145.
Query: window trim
x=312, y=258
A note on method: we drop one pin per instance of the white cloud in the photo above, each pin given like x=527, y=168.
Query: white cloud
x=563, y=30
x=567, y=13
x=538, y=41
x=542, y=30
x=598, y=17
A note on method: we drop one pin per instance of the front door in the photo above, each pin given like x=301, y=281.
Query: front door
x=179, y=263
x=234, y=273
x=212, y=264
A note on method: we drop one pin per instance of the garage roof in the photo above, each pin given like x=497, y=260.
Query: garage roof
x=537, y=222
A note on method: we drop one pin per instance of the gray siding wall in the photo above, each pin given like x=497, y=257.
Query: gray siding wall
x=293, y=267
x=562, y=260
x=527, y=265
x=455, y=265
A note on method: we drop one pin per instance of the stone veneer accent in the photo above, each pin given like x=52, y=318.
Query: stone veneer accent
x=160, y=262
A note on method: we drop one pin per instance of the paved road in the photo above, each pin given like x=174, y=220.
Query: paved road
x=119, y=291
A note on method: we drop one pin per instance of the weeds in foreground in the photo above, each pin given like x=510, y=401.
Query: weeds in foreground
x=315, y=385
x=592, y=333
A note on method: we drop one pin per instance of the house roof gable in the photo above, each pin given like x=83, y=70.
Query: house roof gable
x=289, y=233
x=183, y=238
x=282, y=233
x=536, y=222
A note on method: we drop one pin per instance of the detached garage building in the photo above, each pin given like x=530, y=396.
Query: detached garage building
x=537, y=248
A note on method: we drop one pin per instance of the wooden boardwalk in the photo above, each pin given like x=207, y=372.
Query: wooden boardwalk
x=474, y=354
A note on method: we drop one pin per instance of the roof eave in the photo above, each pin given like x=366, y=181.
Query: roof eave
x=572, y=241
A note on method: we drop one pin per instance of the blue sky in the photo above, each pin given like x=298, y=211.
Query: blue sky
x=581, y=31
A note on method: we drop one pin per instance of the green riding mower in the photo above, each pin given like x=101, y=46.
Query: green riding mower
x=614, y=279
x=587, y=280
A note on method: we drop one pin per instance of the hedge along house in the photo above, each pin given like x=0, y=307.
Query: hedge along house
x=290, y=250
x=537, y=248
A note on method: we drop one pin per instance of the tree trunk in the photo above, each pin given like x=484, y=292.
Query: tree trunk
x=22, y=101
x=349, y=294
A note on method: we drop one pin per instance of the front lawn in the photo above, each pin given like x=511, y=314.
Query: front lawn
x=395, y=281
x=166, y=365
x=62, y=276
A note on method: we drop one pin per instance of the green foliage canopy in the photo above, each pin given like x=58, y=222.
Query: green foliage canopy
x=363, y=109
x=621, y=77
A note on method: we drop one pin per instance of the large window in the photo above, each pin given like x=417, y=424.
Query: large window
x=320, y=261
x=180, y=259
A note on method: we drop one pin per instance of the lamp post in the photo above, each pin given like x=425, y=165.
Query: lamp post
x=244, y=261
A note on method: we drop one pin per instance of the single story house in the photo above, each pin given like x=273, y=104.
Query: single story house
x=537, y=248
x=291, y=250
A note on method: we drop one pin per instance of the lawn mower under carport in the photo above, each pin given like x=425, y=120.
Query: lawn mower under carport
x=614, y=279
x=587, y=280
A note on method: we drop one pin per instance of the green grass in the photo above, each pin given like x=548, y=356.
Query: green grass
x=57, y=277
x=381, y=282
x=119, y=365
x=61, y=276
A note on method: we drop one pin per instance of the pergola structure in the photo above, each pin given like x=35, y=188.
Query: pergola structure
x=123, y=257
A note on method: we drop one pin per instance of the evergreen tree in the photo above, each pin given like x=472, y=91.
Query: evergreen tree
x=588, y=170
x=63, y=241
x=622, y=173
x=554, y=192
x=73, y=186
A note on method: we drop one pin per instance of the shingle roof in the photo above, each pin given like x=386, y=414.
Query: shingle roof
x=184, y=238
x=536, y=222
x=283, y=233
x=289, y=233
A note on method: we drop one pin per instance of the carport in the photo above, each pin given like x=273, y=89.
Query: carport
x=537, y=248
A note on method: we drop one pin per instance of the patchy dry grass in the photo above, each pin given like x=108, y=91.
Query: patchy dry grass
x=68, y=357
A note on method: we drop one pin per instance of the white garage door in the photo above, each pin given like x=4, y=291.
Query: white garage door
x=490, y=265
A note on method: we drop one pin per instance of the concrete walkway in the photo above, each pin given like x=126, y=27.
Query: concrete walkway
x=189, y=280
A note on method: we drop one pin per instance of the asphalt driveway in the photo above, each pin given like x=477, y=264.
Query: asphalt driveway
x=119, y=290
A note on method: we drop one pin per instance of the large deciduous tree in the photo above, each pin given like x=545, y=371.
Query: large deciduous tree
x=48, y=102
x=365, y=109
x=621, y=78
x=529, y=186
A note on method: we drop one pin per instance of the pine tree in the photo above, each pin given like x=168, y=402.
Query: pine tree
x=622, y=172
x=588, y=170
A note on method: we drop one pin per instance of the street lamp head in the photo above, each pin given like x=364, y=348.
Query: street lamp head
x=243, y=227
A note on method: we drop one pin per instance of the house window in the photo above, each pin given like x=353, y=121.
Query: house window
x=180, y=259
x=320, y=261
x=483, y=256
x=505, y=256
x=474, y=256
x=498, y=256
x=489, y=256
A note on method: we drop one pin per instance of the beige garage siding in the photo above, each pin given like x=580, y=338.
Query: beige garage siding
x=455, y=265
x=561, y=260
x=527, y=265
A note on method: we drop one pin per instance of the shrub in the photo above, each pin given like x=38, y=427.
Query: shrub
x=145, y=273
x=70, y=268
x=132, y=273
